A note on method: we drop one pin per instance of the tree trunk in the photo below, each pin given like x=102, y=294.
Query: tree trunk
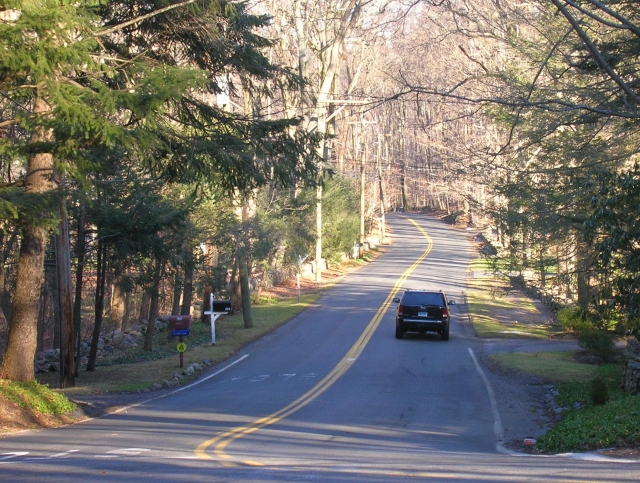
x=582, y=265
x=153, y=310
x=206, y=304
x=187, y=292
x=234, y=288
x=117, y=299
x=127, y=311
x=144, y=307
x=41, y=321
x=52, y=287
x=256, y=299
x=177, y=293
x=99, y=304
x=77, y=303
x=403, y=183
x=245, y=292
x=63, y=268
x=17, y=363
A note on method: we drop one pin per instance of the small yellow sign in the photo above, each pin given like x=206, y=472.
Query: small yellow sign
x=181, y=347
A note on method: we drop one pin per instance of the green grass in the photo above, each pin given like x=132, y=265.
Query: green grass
x=36, y=397
x=481, y=264
x=488, y=264
x=489, y=328
x=556, y=366
x=495, y=315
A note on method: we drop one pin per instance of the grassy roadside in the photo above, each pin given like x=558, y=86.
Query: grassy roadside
x=555, y=366
x=595, y=413
x=498, y=311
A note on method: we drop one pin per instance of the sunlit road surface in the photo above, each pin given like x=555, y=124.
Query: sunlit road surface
x=331, y=397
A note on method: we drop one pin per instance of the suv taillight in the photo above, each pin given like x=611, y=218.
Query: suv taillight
x=445, y=311
x=400, y=309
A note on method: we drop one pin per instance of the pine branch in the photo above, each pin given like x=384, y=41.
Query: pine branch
x=136, y=20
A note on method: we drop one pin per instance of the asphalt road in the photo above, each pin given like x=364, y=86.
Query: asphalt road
x=331, y=396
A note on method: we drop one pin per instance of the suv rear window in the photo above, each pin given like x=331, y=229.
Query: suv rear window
x=423, y=298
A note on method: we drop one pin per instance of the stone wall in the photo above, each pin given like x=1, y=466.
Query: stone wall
x=49, y=360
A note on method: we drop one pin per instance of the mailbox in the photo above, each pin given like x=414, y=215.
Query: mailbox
x=221, y=306
x=180, y=325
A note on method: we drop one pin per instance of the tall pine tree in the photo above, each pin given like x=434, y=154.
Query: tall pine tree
x=135, y=80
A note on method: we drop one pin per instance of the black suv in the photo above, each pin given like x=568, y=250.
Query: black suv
x=423, y=311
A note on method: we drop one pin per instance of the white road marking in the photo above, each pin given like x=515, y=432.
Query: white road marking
x=57, y=455
x=497, y=422
x=260, y=378
x=8, y=456
x=311, y=375
x=66, y=453
x=188, y=386
x=114, y=453
x=286, y=376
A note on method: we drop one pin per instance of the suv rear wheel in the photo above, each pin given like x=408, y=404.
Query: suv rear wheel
x=399, y=333
x=445, y=334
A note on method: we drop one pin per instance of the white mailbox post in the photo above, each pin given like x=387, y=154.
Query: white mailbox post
x=218, y=308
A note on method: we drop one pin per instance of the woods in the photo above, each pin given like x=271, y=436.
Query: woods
x=216, y=146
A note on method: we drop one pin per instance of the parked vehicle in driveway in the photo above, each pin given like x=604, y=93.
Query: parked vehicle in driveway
x=423, y=311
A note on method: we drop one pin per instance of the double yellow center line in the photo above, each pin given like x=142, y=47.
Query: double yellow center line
x=220, y=442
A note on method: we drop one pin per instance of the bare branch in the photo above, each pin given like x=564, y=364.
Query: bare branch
x=9, y=122
x=472, y=59
x=552, y=105
x=624, y=21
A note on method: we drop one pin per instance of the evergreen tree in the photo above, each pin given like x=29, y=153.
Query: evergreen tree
x=136, y=81
x=614, y=229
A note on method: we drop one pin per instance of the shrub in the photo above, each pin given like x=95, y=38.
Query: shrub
x=574, y=319
x=598, y=391
x=597, y=342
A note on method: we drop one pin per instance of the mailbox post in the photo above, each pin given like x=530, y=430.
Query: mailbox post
x=218, y=308
x=180, y=326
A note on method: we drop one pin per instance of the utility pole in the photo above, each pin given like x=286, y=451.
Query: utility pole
x=379, y=162
x=362, y=179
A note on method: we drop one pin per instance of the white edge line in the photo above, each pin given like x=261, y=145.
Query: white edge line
x=497, y=422
x=194, y=383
